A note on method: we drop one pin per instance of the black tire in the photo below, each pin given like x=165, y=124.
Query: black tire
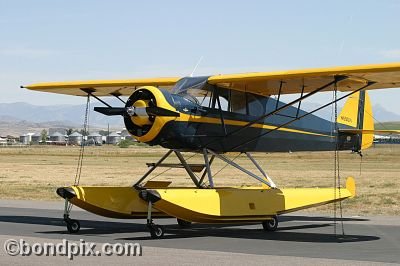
x=73, y=226
x=183, y=223
x=156, y=231
x=271, y=225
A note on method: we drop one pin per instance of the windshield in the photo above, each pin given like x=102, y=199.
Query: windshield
x=194, y=89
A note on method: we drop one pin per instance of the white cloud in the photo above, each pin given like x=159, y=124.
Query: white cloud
x=391, y=54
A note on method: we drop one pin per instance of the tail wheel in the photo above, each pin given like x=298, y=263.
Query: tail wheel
x=271, y=225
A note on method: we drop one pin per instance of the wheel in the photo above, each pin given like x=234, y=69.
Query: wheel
x=156, y=231
x=73, y=226
x=271, y=225
x=183, y=223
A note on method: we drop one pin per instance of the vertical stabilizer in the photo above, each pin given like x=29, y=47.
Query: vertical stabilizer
x=357, y=114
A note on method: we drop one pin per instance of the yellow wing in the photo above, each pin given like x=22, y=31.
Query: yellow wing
x=268, y=83
x=264, y=83
x=101, y=87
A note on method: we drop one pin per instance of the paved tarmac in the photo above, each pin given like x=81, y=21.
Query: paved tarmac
x=301, y=239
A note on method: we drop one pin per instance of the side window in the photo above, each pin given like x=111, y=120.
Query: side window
x=238, y=102
x=235, y=101
x=224, y=103
x=206, y=100
x=256, y=104
x=223, y=97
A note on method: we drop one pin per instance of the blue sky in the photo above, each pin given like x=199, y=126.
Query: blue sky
x=58, y=40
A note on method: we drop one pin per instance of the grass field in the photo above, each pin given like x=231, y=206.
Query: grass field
x=388, y=125
x=36, y=172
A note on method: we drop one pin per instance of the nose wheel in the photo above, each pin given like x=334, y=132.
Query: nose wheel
x=73, y=226
x=156, y=231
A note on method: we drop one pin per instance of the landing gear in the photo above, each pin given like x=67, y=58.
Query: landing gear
x=73, y=226
x=183, y=223
x=271, y=225
x=156, y=231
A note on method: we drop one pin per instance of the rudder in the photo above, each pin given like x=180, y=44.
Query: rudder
x=357, y=114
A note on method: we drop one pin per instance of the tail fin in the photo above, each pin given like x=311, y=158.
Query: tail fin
x=357, y=114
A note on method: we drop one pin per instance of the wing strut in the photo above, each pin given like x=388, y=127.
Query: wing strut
x=260, y=169
x=117, y=95
x=232, y=163
x=337, y=78
x=300, y=117
x=90, y=93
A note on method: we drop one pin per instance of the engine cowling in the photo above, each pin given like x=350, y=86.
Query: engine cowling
x=147, y=111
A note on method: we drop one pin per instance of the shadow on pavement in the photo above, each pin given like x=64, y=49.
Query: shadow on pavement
x=173, y=231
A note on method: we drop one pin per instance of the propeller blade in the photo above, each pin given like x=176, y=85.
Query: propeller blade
x=111, y=110
x=158, y=111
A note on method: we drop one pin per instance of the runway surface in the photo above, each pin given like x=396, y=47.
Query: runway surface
x=301, y=239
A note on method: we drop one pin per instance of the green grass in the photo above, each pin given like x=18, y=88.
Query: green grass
x=388, y=125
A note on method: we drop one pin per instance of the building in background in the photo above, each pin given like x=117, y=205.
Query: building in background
x=113, y=138
x=3, y=141
x=24, y=139
x=95, y=139
x=57, y=138
x=125, y=135
x=75, y=138
x=36, y=138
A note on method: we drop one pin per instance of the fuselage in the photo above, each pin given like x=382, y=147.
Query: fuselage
x=217, y=118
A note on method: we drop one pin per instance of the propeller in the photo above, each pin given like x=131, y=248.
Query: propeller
x=158, y=111
x=110, y=110
x=132, y=111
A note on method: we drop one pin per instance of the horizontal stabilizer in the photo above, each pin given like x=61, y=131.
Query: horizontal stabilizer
x=370, y=131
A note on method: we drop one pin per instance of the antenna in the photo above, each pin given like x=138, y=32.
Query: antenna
x=198, y=63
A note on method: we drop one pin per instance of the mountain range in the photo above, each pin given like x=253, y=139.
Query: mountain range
x=21, y=117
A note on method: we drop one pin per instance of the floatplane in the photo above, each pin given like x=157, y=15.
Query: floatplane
x=220, y=114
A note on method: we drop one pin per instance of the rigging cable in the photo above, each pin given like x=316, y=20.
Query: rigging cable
x=82, y=149
x=337, y=181
x=226, y=164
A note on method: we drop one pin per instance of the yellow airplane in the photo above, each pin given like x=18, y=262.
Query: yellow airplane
x=214, y=115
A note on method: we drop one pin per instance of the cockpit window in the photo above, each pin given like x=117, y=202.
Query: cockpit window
x=198, y=91
x=194, y=89
x=238, y=102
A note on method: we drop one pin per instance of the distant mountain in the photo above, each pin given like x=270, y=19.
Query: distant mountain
x=15, y=127
x=383, y=115
x=67, y=114
x=379, y=112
